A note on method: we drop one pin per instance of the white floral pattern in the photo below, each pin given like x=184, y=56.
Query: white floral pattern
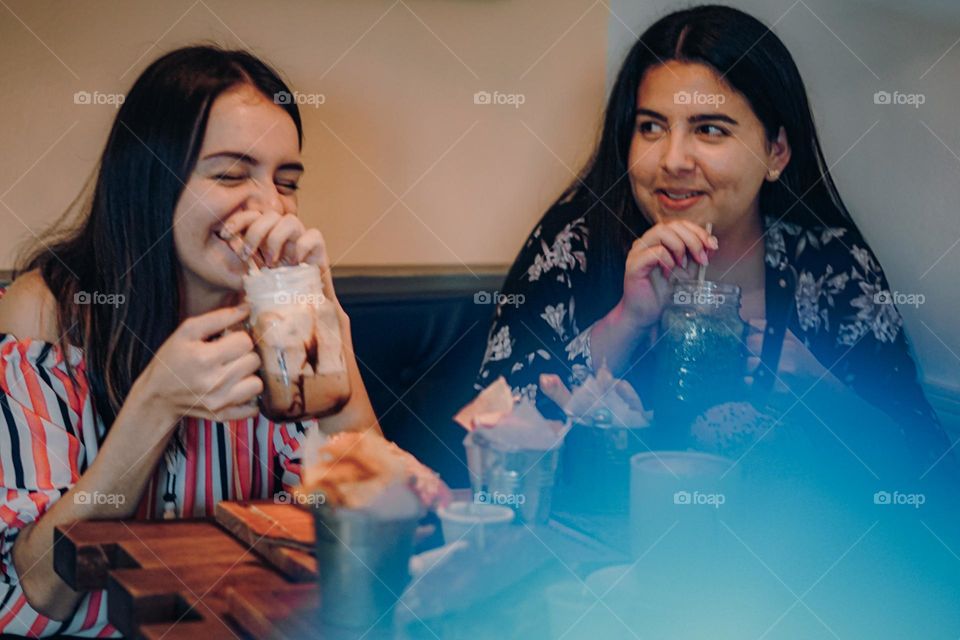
x=499, y=347
x=579, y=347
x=567, y=251
x=874, y=315
x=808, y=301
x=816, y=295
x=554, y=316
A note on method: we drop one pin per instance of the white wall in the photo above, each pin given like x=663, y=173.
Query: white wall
x=901, y=183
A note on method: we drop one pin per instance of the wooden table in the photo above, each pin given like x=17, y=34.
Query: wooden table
x=226, y=579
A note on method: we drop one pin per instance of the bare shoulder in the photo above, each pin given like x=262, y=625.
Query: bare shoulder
x=28, y=309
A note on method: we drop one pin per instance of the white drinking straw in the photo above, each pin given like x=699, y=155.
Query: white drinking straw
x=702, y=271
x=251, y=258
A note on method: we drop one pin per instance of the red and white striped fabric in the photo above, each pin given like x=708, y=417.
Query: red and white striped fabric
x=49, y=436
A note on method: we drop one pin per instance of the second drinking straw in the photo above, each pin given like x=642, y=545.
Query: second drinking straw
x=702, y=271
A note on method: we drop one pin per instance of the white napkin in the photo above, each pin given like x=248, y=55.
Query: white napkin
x=508, y=422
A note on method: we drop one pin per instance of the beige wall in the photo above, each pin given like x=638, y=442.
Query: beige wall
x=399, y=118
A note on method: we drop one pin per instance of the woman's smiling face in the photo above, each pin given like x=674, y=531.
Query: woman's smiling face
x=698, y=151
x=250, y=159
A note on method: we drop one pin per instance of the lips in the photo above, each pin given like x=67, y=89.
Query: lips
x=678, y=199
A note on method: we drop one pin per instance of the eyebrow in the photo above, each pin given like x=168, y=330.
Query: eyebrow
x=244, y=158
x=694, y=119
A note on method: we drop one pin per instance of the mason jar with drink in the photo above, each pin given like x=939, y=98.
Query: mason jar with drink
x=296, y=330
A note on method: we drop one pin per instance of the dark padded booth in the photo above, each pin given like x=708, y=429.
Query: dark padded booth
x=419, y=339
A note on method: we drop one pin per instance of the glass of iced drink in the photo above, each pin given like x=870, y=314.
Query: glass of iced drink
x=296, y=331
x=701, y=353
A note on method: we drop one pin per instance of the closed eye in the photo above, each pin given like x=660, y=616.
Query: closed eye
x=227, y=177
x=290, y=187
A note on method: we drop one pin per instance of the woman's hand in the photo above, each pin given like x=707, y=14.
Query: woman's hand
x=281, y=239
x=798, y=369
x=667, y=247
x=205, y=370
x=552, y=386
x=679, y=245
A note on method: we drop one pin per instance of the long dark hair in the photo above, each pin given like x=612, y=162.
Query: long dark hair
x=123, y=243
x=752, y=60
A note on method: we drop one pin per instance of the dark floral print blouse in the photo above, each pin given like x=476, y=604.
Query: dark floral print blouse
x=822, y=283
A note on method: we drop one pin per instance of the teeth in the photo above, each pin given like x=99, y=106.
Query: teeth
x=679, y=196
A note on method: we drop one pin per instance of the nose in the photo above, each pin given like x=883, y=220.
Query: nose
x=266, y=197
x=677, y=157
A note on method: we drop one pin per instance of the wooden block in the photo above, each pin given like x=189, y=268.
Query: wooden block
x=282, y=534
x=177, y=551
x=174, y=596
x=286, y=613
x=265, y=518
x=84, y=552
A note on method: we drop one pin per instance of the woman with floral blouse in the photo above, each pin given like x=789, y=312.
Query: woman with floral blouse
x=708, y=122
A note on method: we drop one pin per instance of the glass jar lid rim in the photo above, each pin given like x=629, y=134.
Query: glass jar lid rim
x=710, y=286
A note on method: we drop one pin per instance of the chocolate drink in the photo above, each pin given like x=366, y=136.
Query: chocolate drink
x=302, y=365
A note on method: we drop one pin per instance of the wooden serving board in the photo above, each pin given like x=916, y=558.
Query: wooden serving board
x=285, y=613
x=186, y=599
x=282, y=534
x=85, y=552
x=172, y=579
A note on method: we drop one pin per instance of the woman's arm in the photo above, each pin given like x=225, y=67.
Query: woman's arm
x=666, y=248
x=121, y=471
x=357, y=414
x=615, y=338
x=194, y=373
x=536, y=326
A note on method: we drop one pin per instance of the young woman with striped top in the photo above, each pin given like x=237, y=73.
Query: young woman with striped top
x=126, y=389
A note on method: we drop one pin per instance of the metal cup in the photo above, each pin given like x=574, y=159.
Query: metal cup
x=363, y=562
x=521, y=479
